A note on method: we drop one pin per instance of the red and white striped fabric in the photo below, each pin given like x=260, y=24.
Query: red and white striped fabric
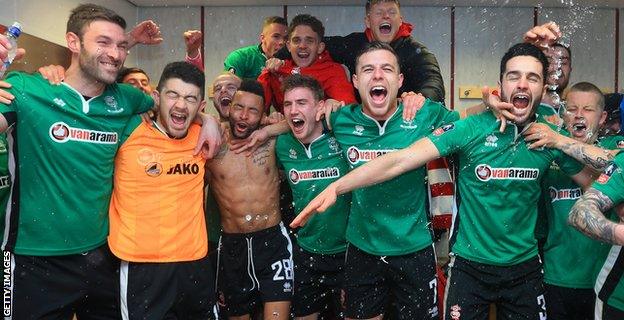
x=441, y=193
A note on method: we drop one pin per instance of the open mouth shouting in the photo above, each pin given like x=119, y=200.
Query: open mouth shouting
x=297, y=124
x=225, y=100
x=385, y=28
x=579, y=129
x=178, y=119
x=520, y=102
x=378, y=94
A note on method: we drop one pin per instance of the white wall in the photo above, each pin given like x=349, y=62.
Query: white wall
x=47, y=19
x=173, y=21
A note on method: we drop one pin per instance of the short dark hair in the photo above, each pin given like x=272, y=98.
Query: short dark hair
x=126, y=71
x=589, y=88
x=307, y=20
x=185, y=72
x=374, y=46
x=84, y=14
x=566, y=47
x=274, y=19
x=253, y=87
x=524, y=49
x=303, y=81
x=371, y=3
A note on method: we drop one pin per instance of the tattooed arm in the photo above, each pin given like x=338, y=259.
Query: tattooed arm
x=541, y=135
x=587, y=216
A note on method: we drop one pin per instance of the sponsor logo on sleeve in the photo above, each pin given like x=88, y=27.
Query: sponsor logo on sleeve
x=607, y=173
x=445, y=128
x=485, y=173
x=61, y=132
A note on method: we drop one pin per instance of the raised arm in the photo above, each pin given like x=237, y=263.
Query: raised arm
x=541, y=135
x=379, y=170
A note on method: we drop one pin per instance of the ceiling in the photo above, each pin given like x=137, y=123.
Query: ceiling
x=445, y=3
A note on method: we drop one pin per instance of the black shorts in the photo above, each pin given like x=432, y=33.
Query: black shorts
x=56, y=287
x=409, y=279
x=318, y=282
x=569, y=303
x=255, y=267
x=171, y=290
x=517, y=290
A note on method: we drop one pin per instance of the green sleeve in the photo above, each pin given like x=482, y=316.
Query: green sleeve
x=136, y=98
x=612, y=142
x=568, y=164
x=611, y=181
x=16, y=80
x=454, y=136
x=133, y=123
x=234, y=62
x=440, y=114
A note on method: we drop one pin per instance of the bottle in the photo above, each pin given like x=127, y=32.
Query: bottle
x=12, y=34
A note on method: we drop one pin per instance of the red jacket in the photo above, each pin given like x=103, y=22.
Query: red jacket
x=330, y=74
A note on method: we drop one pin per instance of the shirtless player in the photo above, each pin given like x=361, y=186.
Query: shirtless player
x=255, y=252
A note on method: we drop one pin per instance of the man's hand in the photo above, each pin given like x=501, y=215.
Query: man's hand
x=5, y=46
x=502, y=110
x=249, y=145
x=544, y=35
x=209, y=140
x=540, y=135
x=273, y=64
x=412, y=102
x=146, y=32
x=53, y=73
x=5, y=96
x=320, y=203
x=193, y=41
x=325, y=110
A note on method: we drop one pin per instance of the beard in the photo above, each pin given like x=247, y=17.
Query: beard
x=245, y=134
x=90, y=66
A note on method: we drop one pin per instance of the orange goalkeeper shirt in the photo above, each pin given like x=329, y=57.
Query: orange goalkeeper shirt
x=156, y=210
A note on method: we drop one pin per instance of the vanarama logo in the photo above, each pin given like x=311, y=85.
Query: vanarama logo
x=356, y=155
x=315, y=174
x=564, y=194
x=486, y=173
x=60, y=132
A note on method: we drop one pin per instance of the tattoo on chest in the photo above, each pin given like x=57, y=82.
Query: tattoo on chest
x=261, y=156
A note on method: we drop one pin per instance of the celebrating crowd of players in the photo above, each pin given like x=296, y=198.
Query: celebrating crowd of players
x=107, y=215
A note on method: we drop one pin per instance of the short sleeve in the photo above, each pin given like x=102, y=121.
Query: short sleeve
x=232, y=63
x=133, y=123
x=16, y=80
x=611, y=181
x=454, y=136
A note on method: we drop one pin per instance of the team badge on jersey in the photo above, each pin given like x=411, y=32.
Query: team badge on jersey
x=485, y=173
x=113, y=107
x=408, y=124
x=333, y=144
x=620, y=144
x=564, y=194
x=359, y=130
x=296, y=176
x=60, y=132
x=355, y=155
x=292, y=154
x=3, y=148
x=445, y=128
x=607, y=173
x=153, y=169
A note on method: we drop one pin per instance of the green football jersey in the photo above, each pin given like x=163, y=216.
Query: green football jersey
x=499, y=186
x=309, y=170
x=566, y=249
x=610, y=282
x=5, y=180
x=246, y=62
x=64, y=168
x=389, y=218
